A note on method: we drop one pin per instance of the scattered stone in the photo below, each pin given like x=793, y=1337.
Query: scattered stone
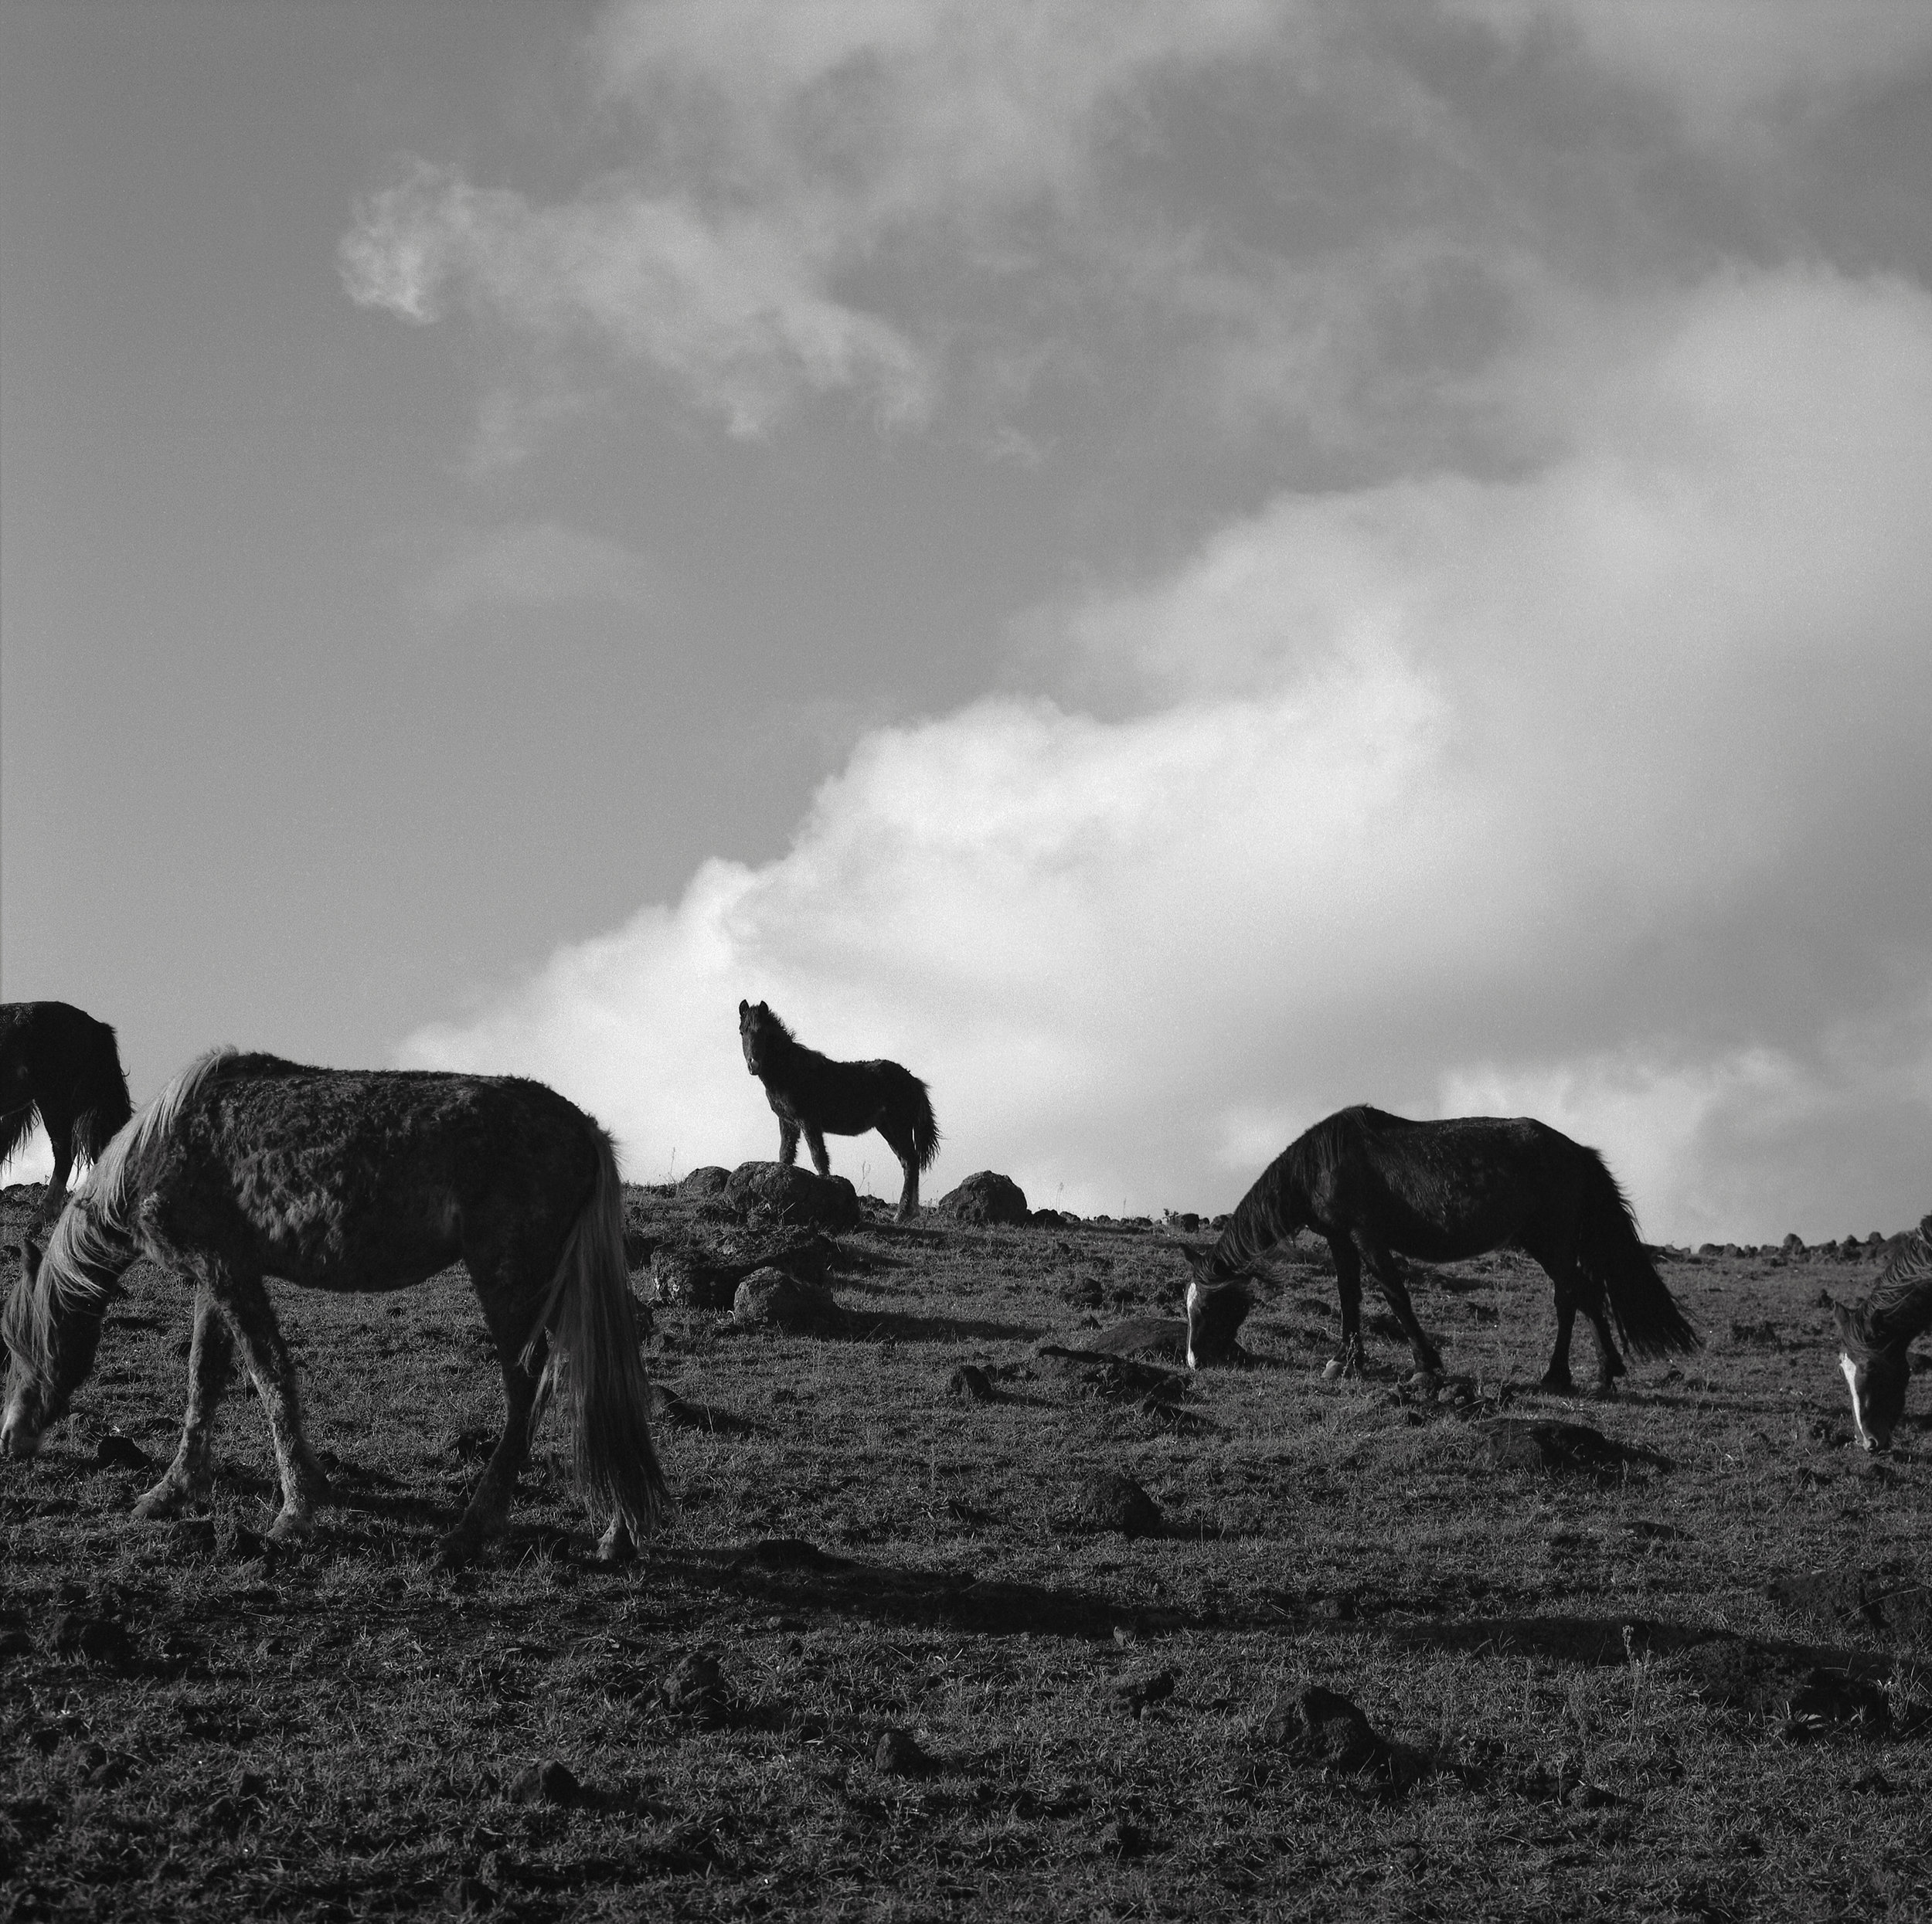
x=769, y=1299
x=1148, y=1687
x=985, y=1199
x=1113, y=1501
x=98, y=1639
x=971, y=1381
x=696, y=1689
x=708, y=1180
x=1888, y=1603
x=800, y=1197
x=116, y=1452
x=1326, y=1729
x=1520, y=1442
x=1792, y=1245
x=683, y=1277
x=896, y=1753
x=1164, y=1336
x=550, y=1781
x=1051, y=1220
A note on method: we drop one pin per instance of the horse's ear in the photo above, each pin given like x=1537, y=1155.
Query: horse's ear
x=1197, y=1254
x=1841, y=1317
x=763, y=1010
x=744, y=1008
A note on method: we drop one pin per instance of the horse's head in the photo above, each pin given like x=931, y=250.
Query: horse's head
x=1216, y=1312
x=50, y=1348
x=1876, y=1378
x=758, y=1029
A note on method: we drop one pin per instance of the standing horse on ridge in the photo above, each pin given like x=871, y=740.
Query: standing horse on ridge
x=246, y=1167
x=811, y=1092
x=1874, y=1337
x=1376, y=1186
x=59, y=1064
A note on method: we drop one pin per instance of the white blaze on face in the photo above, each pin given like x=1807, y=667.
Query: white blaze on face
x=1851, y=1370
x=1193, y=1301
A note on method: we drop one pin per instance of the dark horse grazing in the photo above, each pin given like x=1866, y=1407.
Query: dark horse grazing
x=811, y=1092
x=58, y=1063
x=246, y=1167
x=1376, y=1184
x=1873, y=1338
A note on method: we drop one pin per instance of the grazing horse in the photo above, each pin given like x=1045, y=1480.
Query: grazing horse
x=58, y=1064
x=246, y=1167
x=1873, y=1338
x=1376, y=1184
x=811, y=1092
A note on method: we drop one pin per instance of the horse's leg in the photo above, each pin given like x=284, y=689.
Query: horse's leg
x=210, y=1356
x=304, y=1483
x=815, y=1142
x=1348, y=1282
x=509, y=1310
x=1382, y=1267
x=788, y=1142
x=61, y=1140
x=1556, y=1378
x=899, y=1139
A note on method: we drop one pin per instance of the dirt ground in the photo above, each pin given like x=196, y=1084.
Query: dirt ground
x=899, y=1660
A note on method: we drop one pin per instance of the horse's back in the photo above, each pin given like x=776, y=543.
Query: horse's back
x=379, y=1174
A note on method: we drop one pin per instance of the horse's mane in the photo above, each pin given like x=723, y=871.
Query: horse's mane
x=1899, y=1304
x=92, y=1241
x=769, y=1017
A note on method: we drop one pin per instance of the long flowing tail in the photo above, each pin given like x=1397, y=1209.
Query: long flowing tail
x=1609, y=1252
x=925, y=1128
x=102, y=1107
x=594, y=1367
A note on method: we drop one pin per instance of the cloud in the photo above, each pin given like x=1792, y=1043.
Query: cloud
x=1598, y=788
x=534, y=565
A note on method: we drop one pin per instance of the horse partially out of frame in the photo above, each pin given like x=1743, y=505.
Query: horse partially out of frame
x=811, y=1092
x=1874, y=1337
x=246, y=1167
x=1377, y=1185
x=59, y=1064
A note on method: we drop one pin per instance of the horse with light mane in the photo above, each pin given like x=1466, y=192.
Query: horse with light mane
x=247, y=1166
x=811, y=1092
x=1873, y=1337
x=1377, y=1185
x=61, y=1067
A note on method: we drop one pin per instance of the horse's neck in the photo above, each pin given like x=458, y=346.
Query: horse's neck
x=1260, y=1217
x=1899, y=1306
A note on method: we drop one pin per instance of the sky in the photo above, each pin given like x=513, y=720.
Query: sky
x=1171, y=568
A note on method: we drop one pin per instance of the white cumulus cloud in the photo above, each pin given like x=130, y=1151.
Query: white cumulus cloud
x=1599, y=789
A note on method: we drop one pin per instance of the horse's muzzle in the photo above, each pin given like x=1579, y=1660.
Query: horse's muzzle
x=18, y=1440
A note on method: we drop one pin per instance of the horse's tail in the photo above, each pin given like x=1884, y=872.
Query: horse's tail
x=594, y=1367
x=93, y=1240
x=925, y=1128
x=1610, y=1253
x=15, y=1125
x=101, y=1106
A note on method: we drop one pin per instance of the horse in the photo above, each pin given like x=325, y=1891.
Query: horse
x=811, y=1092
x=1375, y=1186
x=1874, y=1337
x=246, y=1166
x=60, y=1066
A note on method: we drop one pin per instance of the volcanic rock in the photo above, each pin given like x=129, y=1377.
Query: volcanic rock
x=985, y=1200
x=710, y=1181
x=800, y=1197
x=769, y=1299
x=1113, y=1501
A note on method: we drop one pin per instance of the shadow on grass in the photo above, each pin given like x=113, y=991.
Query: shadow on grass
x=875, y=1326
x=1612, y=1642
x=790, y=1573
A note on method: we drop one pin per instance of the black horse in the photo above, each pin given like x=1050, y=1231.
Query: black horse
x=1873, y=1338
x=1376, y=1184
x=60, y=1067
x=811, y=1092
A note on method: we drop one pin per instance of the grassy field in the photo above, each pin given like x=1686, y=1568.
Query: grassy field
x=1613, y=1700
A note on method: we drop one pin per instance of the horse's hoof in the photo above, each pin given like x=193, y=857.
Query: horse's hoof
x=290, y=1527
x=1552, y=1384
x=617, y=1546
x=161, y=1504
x=457, y=1549
x=1606, y=1392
